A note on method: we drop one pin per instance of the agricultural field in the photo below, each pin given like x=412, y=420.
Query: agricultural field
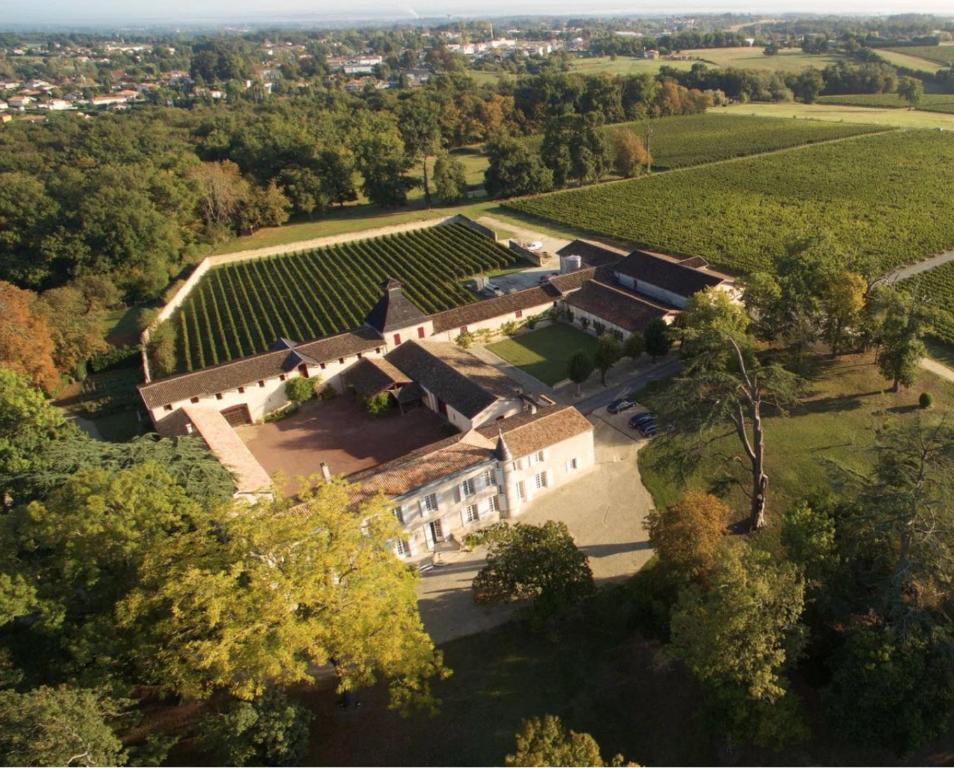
x=930, y=102
x=840, y=113
x=239, y=309
x=889, y=212
x=624, y=65
x=906, y=59
x=936, y=287
x=788, y=60
x=940, y=54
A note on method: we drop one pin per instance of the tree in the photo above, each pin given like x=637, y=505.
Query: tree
x=383, y=162
x=579, y=369
x=808, y=85
x=911, y=89
x=738, y=636
x=301, y=388
x=657, y=338
x=58, y=726
x=634, y=346
x=898, y=323
x=26, y=343
x=539, y=563
x=336, y=174
x=688, y=535
x=269, y=595
x=420, y=129
x=589, y=152
x=608, y=352
x=76, y=326
x=725, y=381
x=271, y=730
x=27, y=218
x=842, y=301
x=222, y=193
x=450, y=179
x=546, y=741
x=630, y=155
x=513, y=170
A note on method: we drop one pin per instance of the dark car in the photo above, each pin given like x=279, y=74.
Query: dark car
x=620, y=405
x=641, y=419
x=649, y=429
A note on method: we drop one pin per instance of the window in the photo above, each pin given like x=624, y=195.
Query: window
x=540, y=480
x=397, y=339
x=322, y=366
x=167, y=407
x=572, y=465
x=399, y=514
x=218, y=395
x=429, y=503
x=540, y=456
x=522, y=490
x=467, y=487
x=360, y=355
x=402, y=547
x=303, y=370
x=519, y=313
x=420, y=332
x=470, y=514
x=377, y=350
x=493, y=504
x=463, y=329
x=193, y=399
x=340, y=361
x=241, y=390
x=261, y=383
x=488, y=478
x=281, y=377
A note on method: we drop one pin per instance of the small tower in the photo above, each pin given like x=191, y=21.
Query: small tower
x=396, y=318
x=506, y=467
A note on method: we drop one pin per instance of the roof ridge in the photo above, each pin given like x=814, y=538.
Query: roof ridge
x=634, y=296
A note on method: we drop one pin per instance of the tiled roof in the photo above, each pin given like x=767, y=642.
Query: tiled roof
x=666, y=273
x=425, y=465
x=593, y=255
x=393, y=309
x=228, y=448
x=373, y=375
x=247, y=370
x=615, y=305
x=479, y=311
x=572, y=281
x=528, y=433
x=464, y=382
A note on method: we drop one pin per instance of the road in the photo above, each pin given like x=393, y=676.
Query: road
x=663, y=370
x=938, y=369
x=903, y=273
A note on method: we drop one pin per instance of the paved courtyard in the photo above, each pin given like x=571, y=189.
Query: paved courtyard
x=604, y=510
x=340, y=433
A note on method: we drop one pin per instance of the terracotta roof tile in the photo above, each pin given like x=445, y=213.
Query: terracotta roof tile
x=528, y=433
x=373, y=375
x=667, y=273
x=478, y=311
x=593, y=255
x=616, y=305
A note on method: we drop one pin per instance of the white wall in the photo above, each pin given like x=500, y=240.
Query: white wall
x=495, y=323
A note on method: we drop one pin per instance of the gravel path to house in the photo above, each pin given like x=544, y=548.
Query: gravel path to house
x=903, y=273
x=938, y=369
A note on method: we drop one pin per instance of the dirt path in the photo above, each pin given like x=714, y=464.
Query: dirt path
x=903, y=273
x=938, y=369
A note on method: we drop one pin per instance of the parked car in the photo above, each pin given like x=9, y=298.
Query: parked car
x=536, y=245
x=492, y=290
x=641, y=419
x=620, y=405
x=649, y=430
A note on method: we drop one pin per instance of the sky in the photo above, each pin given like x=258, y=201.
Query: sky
x=25, y=12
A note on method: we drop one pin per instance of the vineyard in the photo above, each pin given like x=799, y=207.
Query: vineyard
x=682, y=141
x=936, y=287
x=930, y=102
x=884, y=198
x=241, y=308
x=940, y=54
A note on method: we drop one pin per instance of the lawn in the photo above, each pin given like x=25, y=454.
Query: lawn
x=623, y=65
x=885, y=198
x=545, y=353
x=930, y=102
x=823, y=443
x=788, y=60
x=940, y=54
x=887, y=116
x=907, y=60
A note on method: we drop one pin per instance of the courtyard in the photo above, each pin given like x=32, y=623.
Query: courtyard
x=340, y=433
x=545, y=353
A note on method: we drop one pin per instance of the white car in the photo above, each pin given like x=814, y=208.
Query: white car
x=536, y=245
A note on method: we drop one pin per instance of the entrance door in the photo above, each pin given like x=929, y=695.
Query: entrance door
x=237, y=415
x=437, y=532
x=441, y=407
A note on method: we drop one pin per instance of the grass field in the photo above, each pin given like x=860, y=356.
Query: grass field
x=819, y=446
x=241, y=308
x=545, y=354
x=624, y=65
x=930, y=102
x=893, y=118
x=940, y=54
x=788, y=60
x=741, y=213
x=905, y=58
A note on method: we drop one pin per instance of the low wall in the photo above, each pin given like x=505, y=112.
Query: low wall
x=534, y=257
x=480, y=229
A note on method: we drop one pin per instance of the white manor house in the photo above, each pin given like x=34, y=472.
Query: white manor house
x=507, y=447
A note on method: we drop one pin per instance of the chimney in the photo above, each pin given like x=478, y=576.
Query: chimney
x=325, y=472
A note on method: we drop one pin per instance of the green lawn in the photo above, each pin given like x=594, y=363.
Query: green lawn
x=930, y=102
x=545, y=354
x=940, y=54
x=624, y=65
x=898, y=59
x=821, y=445
x=897, y=118
x=788, y=60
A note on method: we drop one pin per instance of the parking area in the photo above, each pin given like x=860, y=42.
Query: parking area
x=340, y=433
x=604, y=510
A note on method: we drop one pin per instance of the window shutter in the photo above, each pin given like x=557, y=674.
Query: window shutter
x=458, y=492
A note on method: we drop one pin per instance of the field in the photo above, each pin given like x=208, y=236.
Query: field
x=940, y=54
x=624, y=65
x=738, y=214
x=930, y=102
x=241, y=308
x=545, y=354
x=936, y=286
x=902, y=57
x=818, y=447
x=838, y=113
x=788, y=60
